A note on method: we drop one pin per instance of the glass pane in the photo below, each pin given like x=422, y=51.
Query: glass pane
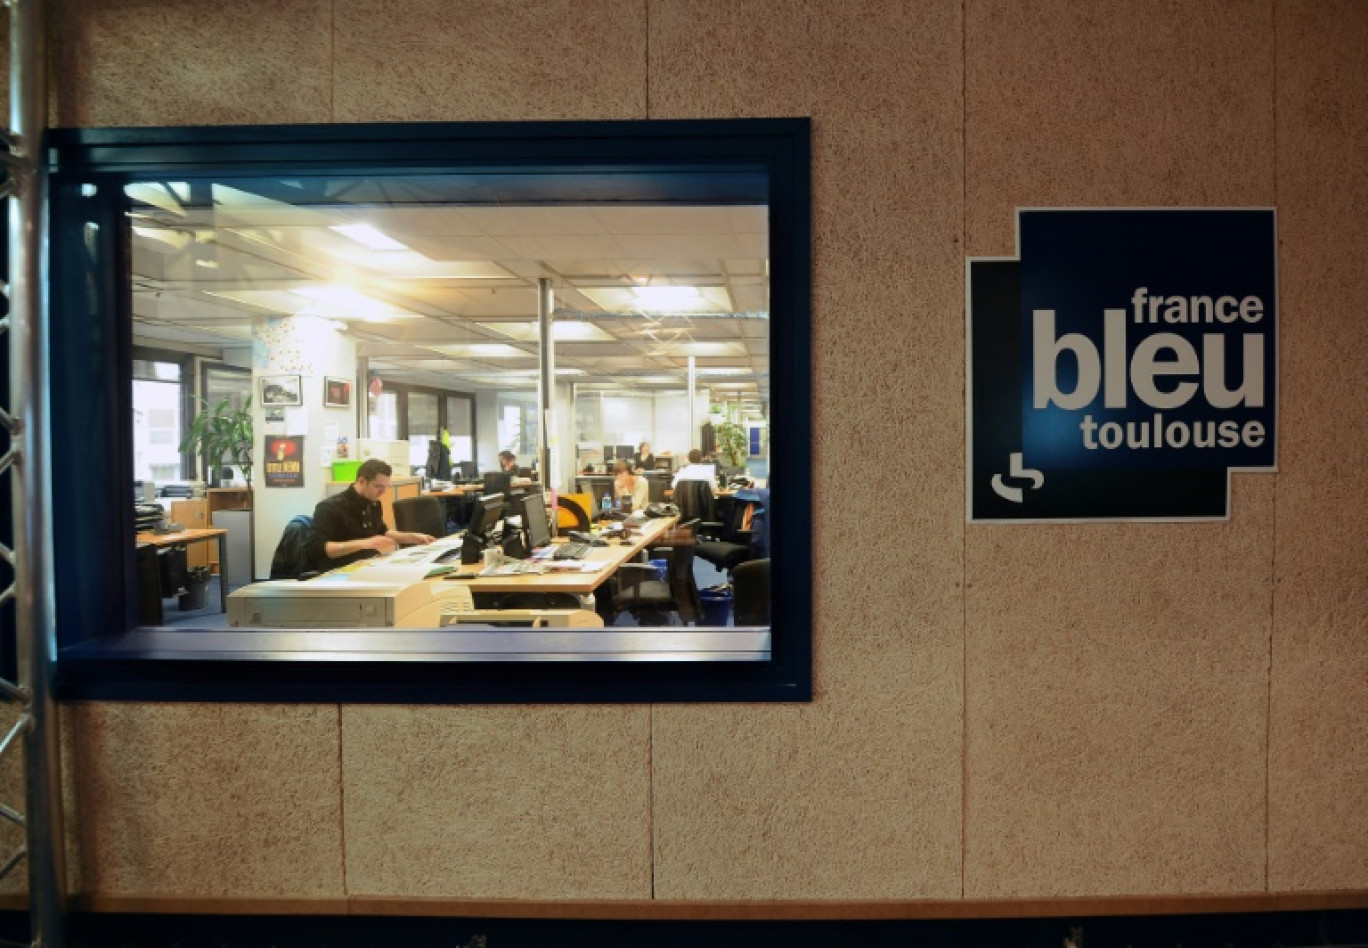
x=429, y=283
x=156, y=431
x=422, y=425
x=384, y=417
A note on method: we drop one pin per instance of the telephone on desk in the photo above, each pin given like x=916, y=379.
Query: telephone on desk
x=167, y=526
x=588, y=538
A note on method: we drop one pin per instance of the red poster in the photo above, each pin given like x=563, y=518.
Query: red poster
x=284, y=459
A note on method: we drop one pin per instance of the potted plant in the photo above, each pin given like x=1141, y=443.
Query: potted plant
x=222, y=432
x=729, y=434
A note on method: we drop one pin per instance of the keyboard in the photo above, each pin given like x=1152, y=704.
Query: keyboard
x=574, y=550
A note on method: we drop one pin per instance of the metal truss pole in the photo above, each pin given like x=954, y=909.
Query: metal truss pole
x=26, y=462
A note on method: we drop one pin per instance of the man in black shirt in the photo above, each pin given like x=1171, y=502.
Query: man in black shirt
x=350, y=526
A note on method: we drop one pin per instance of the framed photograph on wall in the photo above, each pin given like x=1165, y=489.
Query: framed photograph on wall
x=336, y=392
x=282, y=390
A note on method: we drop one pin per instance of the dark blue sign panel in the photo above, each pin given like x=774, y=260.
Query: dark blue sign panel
x=1122, y=365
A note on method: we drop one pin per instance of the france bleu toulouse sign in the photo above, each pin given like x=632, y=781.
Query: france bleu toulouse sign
x=1122, y=365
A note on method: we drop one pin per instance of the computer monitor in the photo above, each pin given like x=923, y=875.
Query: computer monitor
x=469, y=472
x=497, y=482
x=489, y=510
x=535, y=521
x=626, y=452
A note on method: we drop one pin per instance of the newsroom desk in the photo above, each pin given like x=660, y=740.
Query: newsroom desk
x=200, y=535
x=347, y=599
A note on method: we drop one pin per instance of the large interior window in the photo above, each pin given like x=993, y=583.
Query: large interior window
x=368, y=292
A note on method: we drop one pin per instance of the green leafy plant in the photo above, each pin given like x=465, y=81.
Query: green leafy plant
x=730, y=435
x=222, y=432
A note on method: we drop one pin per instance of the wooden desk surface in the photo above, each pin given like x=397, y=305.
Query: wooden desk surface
x=580, y=584
x=456, y=490
x=185, y=536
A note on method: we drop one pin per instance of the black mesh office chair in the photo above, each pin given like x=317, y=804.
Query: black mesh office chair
x=726, y=542
x=420, y=515
x=751, y=593
x=652, y=601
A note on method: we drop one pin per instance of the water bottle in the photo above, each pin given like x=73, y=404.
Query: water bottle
x=607, y=504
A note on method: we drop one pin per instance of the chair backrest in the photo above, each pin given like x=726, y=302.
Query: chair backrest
x=288, y=561
x=571, y=514
x=694, y=500
x=679, y=575
x=751, y=593
x=420, y=515
x=656, y=485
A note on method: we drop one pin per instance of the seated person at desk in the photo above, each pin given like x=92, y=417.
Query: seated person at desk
x=627, y=484
x=644, y=460
x=350, y=526
x=695, y=470
x=508, y=461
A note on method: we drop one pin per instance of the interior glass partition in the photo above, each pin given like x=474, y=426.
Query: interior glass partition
x=662, y=277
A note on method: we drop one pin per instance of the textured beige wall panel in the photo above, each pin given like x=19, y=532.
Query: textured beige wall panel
x=1115, y=103
x=469, y=60
x=1116, y=675
x=186, y=62
x=498, y=802
x=1116, y=702
x=1318, y=784
x=857, y=795
x=212, y=800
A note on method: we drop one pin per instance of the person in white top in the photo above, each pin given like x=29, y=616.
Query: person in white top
x=627, y=484
x=695, y=470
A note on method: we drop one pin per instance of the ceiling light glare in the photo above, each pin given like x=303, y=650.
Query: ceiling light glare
x=667, y=298
x=367, y=235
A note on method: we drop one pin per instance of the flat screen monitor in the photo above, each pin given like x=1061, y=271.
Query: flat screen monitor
x=469, y=471
x=535, y=520
x=497, y=482
x=489, y=510
x=626, y=452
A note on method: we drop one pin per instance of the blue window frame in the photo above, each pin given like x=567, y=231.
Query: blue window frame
x=103, y=654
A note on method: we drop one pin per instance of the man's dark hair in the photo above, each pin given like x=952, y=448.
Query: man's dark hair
x=373, y=468
x=507, y=456
x=695, y=456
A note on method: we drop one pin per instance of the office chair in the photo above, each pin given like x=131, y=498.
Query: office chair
x=571, y=514
x=728, y=541
x=651, y=601
x=657, y=485
x=288, y=561
x=420, y=515
x=751, y=593
x=695, y=501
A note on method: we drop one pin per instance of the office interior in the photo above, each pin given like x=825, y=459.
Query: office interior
x=375, y=316
x=1047, y=720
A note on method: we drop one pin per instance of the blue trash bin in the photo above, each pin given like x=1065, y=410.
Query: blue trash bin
x=717, y=606
x=660, y=567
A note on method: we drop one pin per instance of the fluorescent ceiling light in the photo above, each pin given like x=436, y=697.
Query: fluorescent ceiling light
x=667, y=298
x=482, y=350
x=369, y=236
x=342, y=301
x=561, y=331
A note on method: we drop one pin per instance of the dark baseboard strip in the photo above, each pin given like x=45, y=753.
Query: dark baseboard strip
x=781, y=910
